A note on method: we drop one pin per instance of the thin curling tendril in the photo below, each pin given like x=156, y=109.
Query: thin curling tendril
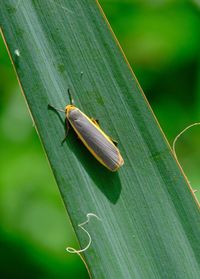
x=178, y=136
x=74, y=251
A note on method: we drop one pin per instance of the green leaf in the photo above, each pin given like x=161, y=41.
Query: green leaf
x=150, y=223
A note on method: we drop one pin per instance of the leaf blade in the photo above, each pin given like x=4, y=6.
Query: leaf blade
x=60, y=50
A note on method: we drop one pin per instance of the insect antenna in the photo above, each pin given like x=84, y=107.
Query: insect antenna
x=70, y=97
x=57, y=109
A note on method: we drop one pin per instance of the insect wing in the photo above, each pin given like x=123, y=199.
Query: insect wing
x=95, y=140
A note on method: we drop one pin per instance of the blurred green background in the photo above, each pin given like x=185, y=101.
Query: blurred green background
x=161, y=40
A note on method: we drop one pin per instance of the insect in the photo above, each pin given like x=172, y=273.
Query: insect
x=101, y=146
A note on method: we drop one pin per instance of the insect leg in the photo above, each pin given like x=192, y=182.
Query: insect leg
x=114, y=141
x=66, y=130
x=95, y=121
